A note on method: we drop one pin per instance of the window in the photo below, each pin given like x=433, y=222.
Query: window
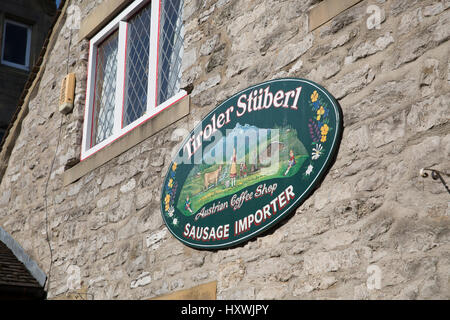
x=16, y=45
x=134, y=70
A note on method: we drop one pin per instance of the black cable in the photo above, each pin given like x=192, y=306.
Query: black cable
x=46, y=206
x=49, y=175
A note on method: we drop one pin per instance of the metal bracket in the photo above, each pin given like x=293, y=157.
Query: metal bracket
x=435, y=174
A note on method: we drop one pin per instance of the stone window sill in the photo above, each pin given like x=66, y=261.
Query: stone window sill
x=206, y=291
x=327, y=10
x=100, y=16
x=147, y=129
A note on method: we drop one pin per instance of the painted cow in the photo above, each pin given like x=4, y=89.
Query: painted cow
x=212, y=177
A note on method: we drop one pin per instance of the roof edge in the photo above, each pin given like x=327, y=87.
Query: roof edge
x=21, y=255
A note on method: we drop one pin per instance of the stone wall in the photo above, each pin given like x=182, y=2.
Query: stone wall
x=373, y=218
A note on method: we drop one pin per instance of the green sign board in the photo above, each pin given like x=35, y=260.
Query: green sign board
x=250, y=162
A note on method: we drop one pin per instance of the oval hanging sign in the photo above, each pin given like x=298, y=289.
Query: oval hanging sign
x=250, y=162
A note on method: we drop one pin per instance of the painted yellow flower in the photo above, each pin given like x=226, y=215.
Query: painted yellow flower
x=174, y=166
x=167, y=207
x=323, y=139
x=324, y=129
x=167, y=198
x=170, y=184
x=314, y=96
x=320, y=113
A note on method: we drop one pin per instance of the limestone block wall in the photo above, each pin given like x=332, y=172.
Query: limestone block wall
x=373, y=229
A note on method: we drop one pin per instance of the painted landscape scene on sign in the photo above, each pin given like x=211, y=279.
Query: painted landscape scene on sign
x=246, y=156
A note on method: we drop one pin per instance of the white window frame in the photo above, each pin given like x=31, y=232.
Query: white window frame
x=120, y=23
x=25, y=66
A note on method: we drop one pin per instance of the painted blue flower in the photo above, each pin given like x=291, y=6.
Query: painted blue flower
x=316, y=105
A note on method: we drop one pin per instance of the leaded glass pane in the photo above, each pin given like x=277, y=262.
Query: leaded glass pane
x=137, y=65
x=170, y=49
x=105, y=88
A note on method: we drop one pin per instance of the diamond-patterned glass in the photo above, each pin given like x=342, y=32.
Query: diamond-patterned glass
x=137, y=67
x=170, y=49
x=105, y=88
